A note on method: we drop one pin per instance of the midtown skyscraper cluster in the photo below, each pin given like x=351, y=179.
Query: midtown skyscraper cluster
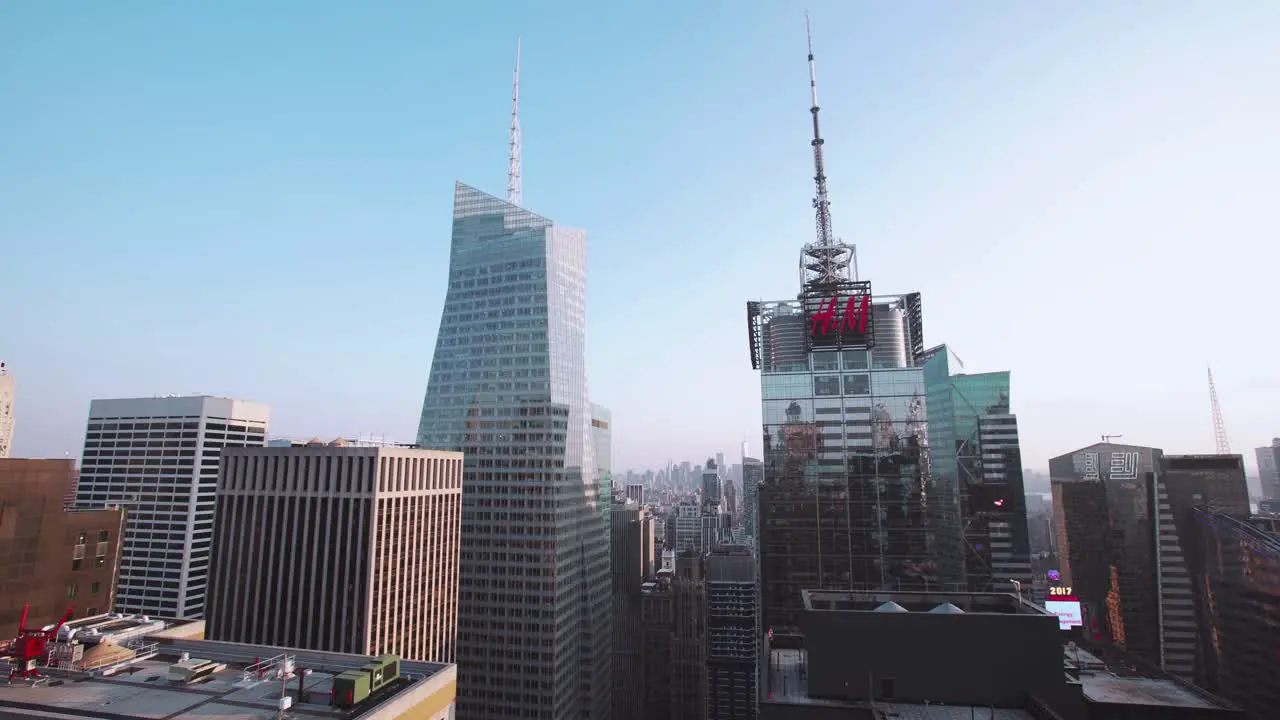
x=875, y=561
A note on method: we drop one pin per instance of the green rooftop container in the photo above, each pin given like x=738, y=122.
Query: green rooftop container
x=350, y=688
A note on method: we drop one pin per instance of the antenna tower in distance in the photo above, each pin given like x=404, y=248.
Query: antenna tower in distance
x=1219, y=427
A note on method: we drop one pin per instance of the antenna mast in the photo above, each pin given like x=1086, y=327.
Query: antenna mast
x=821, y=203
x=827, y=260
x=1219, y=427
x=515, y=193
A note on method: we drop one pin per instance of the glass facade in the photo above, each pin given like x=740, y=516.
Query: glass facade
x=846, y=501
x=1236, y=574
x=508, y=388
x=977, y=467
x=1104, y=505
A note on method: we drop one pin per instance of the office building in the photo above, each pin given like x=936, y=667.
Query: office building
x=635, y=493
x=1236, y=571
x=688, y=663
x=631, y=562
x=158, y=458
x=848, y=499
x=973, y=440
x=1104, y=507
x=752, y=476
x=656, y=634
x=686, y=528
x=602, y=437
x=733, y=640
x=6, y=412
x=1268, y=469
x=337, y=548
x=508, y=388
x=962, y=655
x=51, y=558
x=1183, y=484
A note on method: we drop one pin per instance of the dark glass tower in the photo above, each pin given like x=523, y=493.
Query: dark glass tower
x=508, y=387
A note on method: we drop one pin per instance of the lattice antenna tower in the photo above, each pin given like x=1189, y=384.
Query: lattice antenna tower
x=1219, y=427
x=827, y=260
x=515, y=192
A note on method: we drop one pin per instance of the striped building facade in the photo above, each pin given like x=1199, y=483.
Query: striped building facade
x=339, y=549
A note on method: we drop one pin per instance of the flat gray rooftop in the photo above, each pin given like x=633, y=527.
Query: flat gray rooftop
x=143, y=689
x=1101, y=687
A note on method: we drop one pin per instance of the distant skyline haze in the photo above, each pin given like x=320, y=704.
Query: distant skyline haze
x=253, y=201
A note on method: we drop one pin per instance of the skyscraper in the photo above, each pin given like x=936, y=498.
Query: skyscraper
x=733, y=640
x=158, y=458
x=1268, y=467
x=973, y=438
x=350, y=549
x=847, y=499
x=6, y=411
x=1104, y=508
x=508, y=387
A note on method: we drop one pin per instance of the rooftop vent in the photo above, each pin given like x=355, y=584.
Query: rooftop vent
x=890, y=607
x=947, y=609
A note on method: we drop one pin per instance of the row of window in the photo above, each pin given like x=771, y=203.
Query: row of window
x=73, y=591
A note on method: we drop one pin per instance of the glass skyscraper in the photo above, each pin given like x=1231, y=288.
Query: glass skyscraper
x=848, y=500
x=974, y=440
x=508, y=387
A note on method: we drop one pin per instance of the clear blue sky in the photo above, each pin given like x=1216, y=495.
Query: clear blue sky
x=253, y=199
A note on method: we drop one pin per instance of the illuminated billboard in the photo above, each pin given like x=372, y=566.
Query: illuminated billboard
x=1066, y=607
x=840, y=316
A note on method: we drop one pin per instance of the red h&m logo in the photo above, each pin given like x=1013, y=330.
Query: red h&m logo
x=856, y=310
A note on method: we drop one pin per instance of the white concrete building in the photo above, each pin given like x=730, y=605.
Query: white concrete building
x=6, y=411
x=158, y=458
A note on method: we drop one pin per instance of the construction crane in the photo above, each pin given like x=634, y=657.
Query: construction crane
x=1219, y=427
x=31, y=645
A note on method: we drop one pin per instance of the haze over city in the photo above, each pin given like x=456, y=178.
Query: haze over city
x=1083, y=195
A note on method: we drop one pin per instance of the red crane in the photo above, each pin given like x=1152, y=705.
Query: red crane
x=31, y=645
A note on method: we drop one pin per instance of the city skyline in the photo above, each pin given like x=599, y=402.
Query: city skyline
x=1131, y=148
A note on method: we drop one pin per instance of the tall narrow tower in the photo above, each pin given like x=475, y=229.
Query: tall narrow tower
x=534, y=593
x=1219, y=427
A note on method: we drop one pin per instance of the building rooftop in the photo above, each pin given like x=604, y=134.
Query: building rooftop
x=141, y=678
x=1114, y=678
x=918, y=602
x=789, y=687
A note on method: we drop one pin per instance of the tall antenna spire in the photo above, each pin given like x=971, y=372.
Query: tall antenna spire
x=820, y=201
x=1219, y=427
x=826, y=261
x=515, y=194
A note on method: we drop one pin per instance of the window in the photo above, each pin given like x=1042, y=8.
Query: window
x=826, y=385
x=81, y=538
x=91, y=612
x=76, y=563
x=103, y=535
x=857, y=384
x=73, y=590
x=826, y=361
x=94, y=588
x=855, y=359
x=99, y=561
